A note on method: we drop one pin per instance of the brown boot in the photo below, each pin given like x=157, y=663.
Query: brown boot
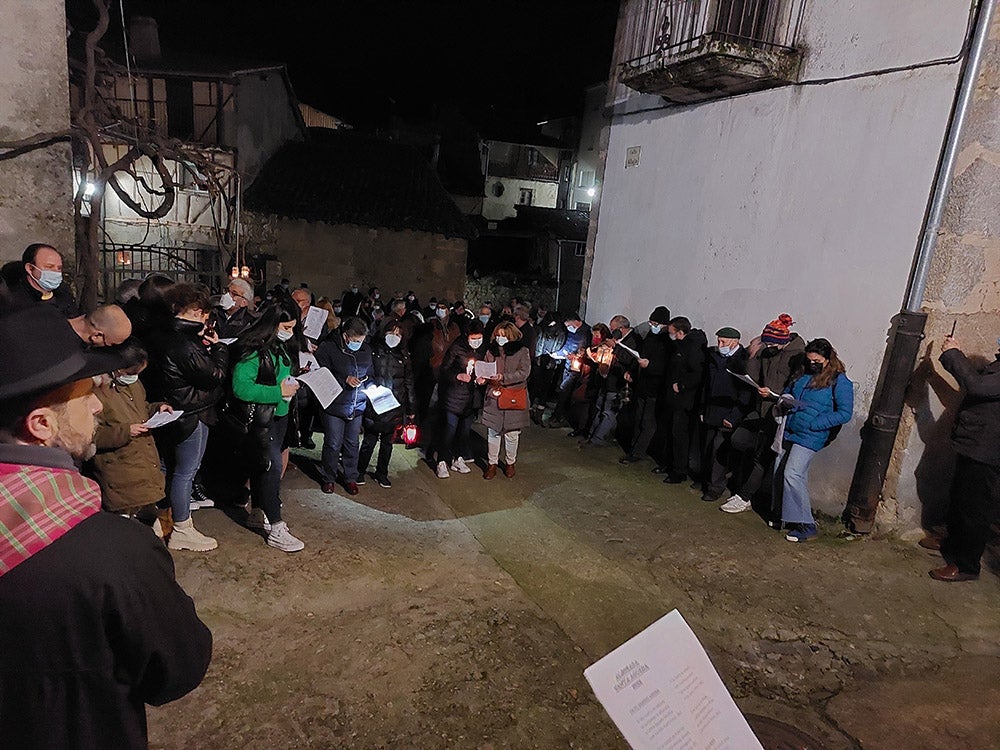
x=491, y=471
x=508, y=470
x=164, y=523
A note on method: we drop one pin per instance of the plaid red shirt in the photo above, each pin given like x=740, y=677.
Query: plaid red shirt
x=40, y=503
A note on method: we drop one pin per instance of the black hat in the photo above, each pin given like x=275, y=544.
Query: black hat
x=660, y=315
x=42, y=352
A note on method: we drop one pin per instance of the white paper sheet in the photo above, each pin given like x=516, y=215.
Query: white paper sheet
x=629, y=349
x=162, y=418
x=486, y=369
x=663, y=693
x=322, y=383
x=786, y=397
x=381, y=398
x=312, y=327
x=307, y=361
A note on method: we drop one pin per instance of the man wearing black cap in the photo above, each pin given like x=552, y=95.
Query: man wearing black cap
x=655, y=351
x=93, y=623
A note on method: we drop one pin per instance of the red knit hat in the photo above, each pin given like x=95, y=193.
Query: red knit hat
x=777, y=331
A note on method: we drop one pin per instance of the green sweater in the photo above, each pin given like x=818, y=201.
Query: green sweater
x=246, y=388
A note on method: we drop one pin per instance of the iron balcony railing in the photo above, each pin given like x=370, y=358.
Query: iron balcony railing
x=666, y=29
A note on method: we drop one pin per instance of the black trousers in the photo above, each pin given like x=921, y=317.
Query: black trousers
x=645, y=425
x=384, y=441
x=975, y=499
x=680, y=440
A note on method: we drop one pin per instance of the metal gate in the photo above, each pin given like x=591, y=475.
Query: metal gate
x=192, y=264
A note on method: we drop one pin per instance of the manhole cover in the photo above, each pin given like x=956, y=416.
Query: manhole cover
x=777, y=735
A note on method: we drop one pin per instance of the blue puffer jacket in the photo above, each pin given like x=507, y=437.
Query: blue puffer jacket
x=825, y=408
x=342, y=362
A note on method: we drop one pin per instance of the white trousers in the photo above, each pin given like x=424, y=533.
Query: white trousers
x=510, y=440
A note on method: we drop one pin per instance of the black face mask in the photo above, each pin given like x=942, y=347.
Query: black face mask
x=814, y=368
x=617, y=335
x=769, y=351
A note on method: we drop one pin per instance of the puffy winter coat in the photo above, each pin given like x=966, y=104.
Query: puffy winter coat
x=514, y=364
x=976, y=433
x=825, y=408
x=343, y=363
x=391, y=369
x=458, y=397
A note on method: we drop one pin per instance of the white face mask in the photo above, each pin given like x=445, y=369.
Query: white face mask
x=376, y=295
x=392, y=340
x=227, y=302
x=673, y=336
x=442, y=313
x=572, y=329
x=655, y=329
x=475, y=343
x=501, y=340
x=285, y=335
x=128, y=379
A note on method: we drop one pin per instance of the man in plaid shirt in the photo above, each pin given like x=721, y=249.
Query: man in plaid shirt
x=93, y=624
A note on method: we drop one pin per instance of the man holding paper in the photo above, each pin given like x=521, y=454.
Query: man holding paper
x=346, y=355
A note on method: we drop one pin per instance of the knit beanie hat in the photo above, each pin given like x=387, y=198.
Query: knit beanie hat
x=777, y=331
x=660, y=315
x=728, y=333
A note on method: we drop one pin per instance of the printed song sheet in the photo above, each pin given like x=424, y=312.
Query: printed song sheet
x=314, y=322
x=322, y=383
x=486, y=370
x=381, y=398
x=663, y=693
x=162, y=418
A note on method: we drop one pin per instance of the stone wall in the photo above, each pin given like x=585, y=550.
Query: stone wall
x=963, y=289
x=329, y=257
x=500, y=288
x=36, y=202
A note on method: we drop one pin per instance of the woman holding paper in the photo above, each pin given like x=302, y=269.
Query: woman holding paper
x=349, y=359
x=390, y=369
x=127, y=464
x=262, y=379
x=505, y=412
x=459, y=396
x=824, y=400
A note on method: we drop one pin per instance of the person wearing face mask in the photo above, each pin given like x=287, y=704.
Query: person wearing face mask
x=569, y=356
x=618, y=375
x=127, y=464
x=41, y=282
x=391, y=369
x=189, y=373
x=351, y=301
x=777, y=358
x=726, y=401
x=263, y=387
x=652, y=364
x=460, y=397
x=437, y=336
x=237, y=309
x=824, y=401
x=504, y=422
x=488, y=319
x=349, y=358
x=681, y=392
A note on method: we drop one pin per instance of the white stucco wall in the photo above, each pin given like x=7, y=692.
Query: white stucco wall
x=806, y=200
x=546, y=194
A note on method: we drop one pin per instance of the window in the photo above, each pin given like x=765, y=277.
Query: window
x=525, y=197
x=582, y=206
x=579, y=250
x=532, y=156
x=586, y=178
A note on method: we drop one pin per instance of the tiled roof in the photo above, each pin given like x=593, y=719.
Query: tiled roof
x=350, y=178
x=560, y=224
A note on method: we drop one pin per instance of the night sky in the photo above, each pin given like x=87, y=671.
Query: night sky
x=506, y=61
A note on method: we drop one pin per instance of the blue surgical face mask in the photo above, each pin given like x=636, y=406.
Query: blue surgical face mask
x=655, y=329
x=572, y=329
x=484, y=319
x=727, y=351
x=442, y=313
x=501, y=340
x=354, y=345
x=49, y=280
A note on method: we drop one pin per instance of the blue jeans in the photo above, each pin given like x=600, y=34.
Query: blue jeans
x=455, y=437
x=607, y=417
x=181, y=468
x=791, y=479
x=340, y=447
x=266, y=482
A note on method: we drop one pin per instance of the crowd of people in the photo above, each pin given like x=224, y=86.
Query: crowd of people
x=175, y=397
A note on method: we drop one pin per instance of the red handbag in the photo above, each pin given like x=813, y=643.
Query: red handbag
x=512, y=399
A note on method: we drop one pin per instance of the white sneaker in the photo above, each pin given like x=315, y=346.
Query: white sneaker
x=186, y=536
x=442, y=470
x=258, y=520
x=281, y=538
x=459, y=465
x=199, y=504
x=735, y=504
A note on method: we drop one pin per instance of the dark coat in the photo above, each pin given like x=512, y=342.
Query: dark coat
x=458, y=397
x=976, y=433
x=342, y=362
x=623, y=362
x=94, y=626
x=391, y=369
x=726, y=398
x=777, y=369
x=231, y=327
x=22, y=294
x=686, y=368
x=187, y=375
x=657, y=348
x=443, y=332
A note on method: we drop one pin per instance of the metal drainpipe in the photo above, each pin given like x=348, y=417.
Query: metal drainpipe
x=879, y=432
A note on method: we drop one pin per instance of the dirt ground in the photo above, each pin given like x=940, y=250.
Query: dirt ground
x=462, y=613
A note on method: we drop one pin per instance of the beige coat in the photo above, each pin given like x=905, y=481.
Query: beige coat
x=127, y=468
x=514, y=364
